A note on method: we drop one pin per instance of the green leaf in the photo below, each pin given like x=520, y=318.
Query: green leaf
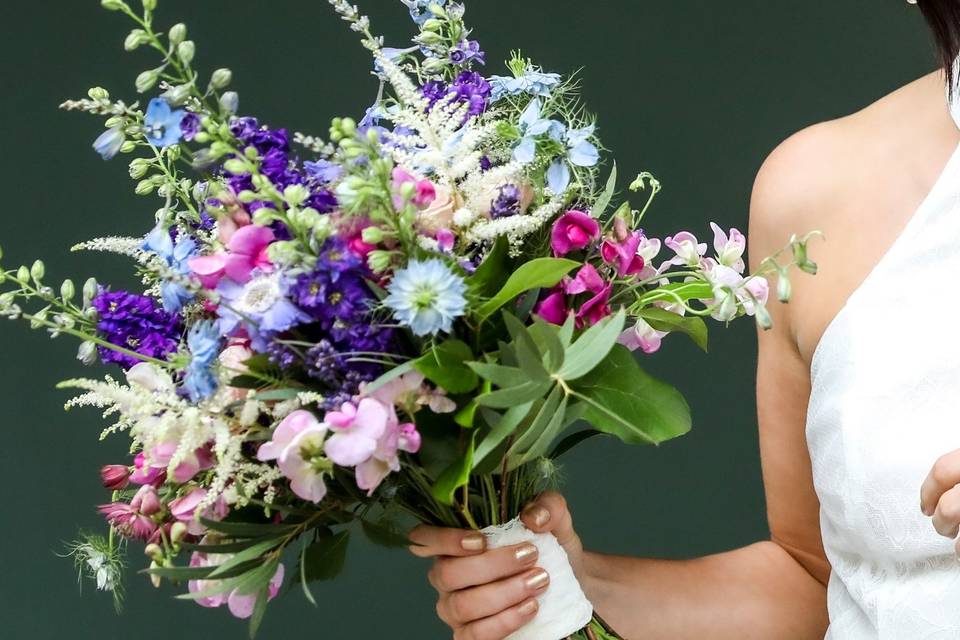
x=246, y=583
x=466, y=416
x=550, y=432
x=678, y=291
x=389, y=376
x=663, y=320
x=520, y=394
x=502, y=429
x=385, y=534
x=537, y=274
x=603, y=201
x=276, y=394
x=225, y=547
x=182, y=574
x=446, y=367
x=493, y=271
x=324, y=558
x=455, y=476
x=259, y=610
x=572, y=441
x=621, y=399
x=499, y=375
x=528, y=353
x=548, y=340
x=247, y=529
x=544, y=415
x=592, y=347
x=246, y=555
x=566, y=331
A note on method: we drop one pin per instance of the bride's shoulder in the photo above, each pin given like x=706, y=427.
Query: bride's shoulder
x=810, y=176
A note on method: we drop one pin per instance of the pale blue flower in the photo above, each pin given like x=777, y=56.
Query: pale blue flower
x=261, y=307
x=109, y=142
x=203, y=341
x=580, y=153
x=162, y=123
x=419, y=9
x=427, y=296
x=533, y=82
x=532, y=126
x=172, y=292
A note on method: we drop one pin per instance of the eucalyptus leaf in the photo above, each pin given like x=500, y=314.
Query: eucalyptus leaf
x=251, y=553
x=446, y=366
x=385, y=534
x=506, y=398
x=259, y=610
x=572, y=441
x=549, y=342
x=323, y=559
x=501, y=429
x=544, y=415
x=499, y=375
x=247, y=529
x=549, y=433
x=603, y=201
x=592, y=347
x=539, y=273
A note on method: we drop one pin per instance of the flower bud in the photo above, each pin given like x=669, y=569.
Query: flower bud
x=67, y=290
x=128, y=146
x=236, y=166
x=155, y=580
x=177, y=95
x=230, y=102
x=38, y=270
x=135, y=39
x=408, y=190
x=139, y=168
x=784, y=288
x=246, y=196
x=221, y=78
x=90, y=289
x=436, y=10
x=98, y=93
x=282, y=252
x=763, y=318
x=147, y=80
x=145, y=187
x=430, y=38
x=113, y=5
x=432, y=25
x=87, y=353
x=434, y=65
x=115, y=476
x=372, y=235
x=378, y=261
x=186, y=50
x=23, y=273
x=295, y=194
x=154, y=552
x=149, y=5
x=177, y=34
x=809, y=266
x=177, y=532
x=263, y=216
x=348, y=126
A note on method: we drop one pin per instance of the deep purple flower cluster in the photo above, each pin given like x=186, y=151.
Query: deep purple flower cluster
x=469, y=88
x=507, y=203
x=136, y=323
x=190, y=126
x=277, y=164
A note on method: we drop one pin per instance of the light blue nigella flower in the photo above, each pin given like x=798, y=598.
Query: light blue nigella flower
x=261, y=307
x=109, y=142
x=532, y=126
x=427, y=296
x=162, y=123
x=203, y=341
x=533, y=82
x=419, y=10
x=173, y=294
x=580, y=153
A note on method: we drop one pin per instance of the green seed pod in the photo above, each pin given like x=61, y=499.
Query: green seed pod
x=38, y=270
x=221, y=78
x=67, y=290
x=147, y=80
x=186, y=50
x=178, y=33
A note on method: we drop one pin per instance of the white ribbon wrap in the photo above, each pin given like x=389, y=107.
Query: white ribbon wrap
x=564, y=609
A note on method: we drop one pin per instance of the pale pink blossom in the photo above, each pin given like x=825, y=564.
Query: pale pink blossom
x=285, y=433
x=246, y=251
x=184, y=509
x=730, y=248
x=133, y=519
x=688, y=250
x=240, y=605
x=357, y=429
x=304, y=464
x=643, y=337
x=732, y=291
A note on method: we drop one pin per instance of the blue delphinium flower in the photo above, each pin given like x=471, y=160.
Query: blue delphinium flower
x=419, y=9
x=260, y=306
x=162, y=123
x=203, y=341
x=533, y=125
x=580, y=152
x=109, y=142
x=466, y=52
x=427, y=296
x=507, y=202
x=173, y=293
x=533, y=82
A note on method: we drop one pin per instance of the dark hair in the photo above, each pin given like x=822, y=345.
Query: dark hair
x=944, y=19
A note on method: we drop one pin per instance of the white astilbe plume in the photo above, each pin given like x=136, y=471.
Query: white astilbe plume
x=516, y=228
x=480, y=188
x=131, y=247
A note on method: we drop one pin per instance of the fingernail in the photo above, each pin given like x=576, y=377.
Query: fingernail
x=537, y=581
x=473, y=542
x=540, y=516
x=526, y=553
x=529, y=607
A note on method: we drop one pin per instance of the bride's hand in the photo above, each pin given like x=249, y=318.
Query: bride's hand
x=940, y=496
x=487, y=595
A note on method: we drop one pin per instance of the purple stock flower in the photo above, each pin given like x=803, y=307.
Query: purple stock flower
x=507, y=203
x=137, y=323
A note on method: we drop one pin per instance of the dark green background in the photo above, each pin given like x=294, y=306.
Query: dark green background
x=697, y=91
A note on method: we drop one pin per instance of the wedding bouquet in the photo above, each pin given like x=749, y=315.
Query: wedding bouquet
x=400, y=324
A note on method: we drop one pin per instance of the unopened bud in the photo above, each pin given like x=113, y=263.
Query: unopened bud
x=235, y=166
x=113, y=5
x=378, y=261
x=221, y=78
x=372, y=235
x=67, y=290
x=38, y=270
x=135, y=39
x=434, y=65
x=230, y=102
x=115, y=477
x=178, y=33
x=263, y=216
x=98, y=93
x=177, y=532
x=149, y=5
x=784, y=288
x=23, y=273
x=87, y=353
x=763, y=318
x=139, y=168
x=186, y=50
x=90, y=289
x=155, y=580
x=153, y=551
x=147, y=80
x=145, y=187
x=432, y=25
x=128, y=146
x=177, y=95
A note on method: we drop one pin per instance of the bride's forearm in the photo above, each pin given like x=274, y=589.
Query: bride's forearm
x=758, y=592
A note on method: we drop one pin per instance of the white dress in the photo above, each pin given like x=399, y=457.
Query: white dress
x=884, y=405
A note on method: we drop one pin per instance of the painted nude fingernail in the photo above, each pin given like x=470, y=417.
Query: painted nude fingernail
x=529, y=608
x=537, y=581
x=540, y=516
x=473, y=542
x=526, y=553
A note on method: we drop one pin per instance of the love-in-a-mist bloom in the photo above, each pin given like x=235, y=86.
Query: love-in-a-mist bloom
x=298, y=447
x=427, y=296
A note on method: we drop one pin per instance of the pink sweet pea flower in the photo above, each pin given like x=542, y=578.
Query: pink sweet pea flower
x=730, y=248
x=145, y=474
x=240, y=605
x=246, y=251
x=748, y=292
x=386, y=458
x=445, y=240
x=357, y=432
x=595, y=309
x=133, y=520
x=643, y=337
x=689, y=251
x=297, y=441
x=648, y=249
x=184, y=509
x=572, y=231
x=623, y=254
x=285, y=433
x=587, y=279
x=193, y=463
x=115, y=476
x=425, y=191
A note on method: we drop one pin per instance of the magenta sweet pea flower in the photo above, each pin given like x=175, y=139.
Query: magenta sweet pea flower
x=595, y=309
x=572, y=231
x=134, y=520
x=246, y=251
x=144, y=473
x=588, y=279
x=425, y=192
x=553, y=308
x=115, y=476
x=623, y=254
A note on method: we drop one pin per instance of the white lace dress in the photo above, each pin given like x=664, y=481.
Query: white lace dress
x=885, y=404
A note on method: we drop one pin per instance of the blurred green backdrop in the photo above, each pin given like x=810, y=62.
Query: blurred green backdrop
x=697, y=91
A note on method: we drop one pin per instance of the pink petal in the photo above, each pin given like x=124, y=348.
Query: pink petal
x=208, y=269
x=553, y=308
x=250, y=240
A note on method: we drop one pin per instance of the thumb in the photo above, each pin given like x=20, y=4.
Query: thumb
x=549, y=514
